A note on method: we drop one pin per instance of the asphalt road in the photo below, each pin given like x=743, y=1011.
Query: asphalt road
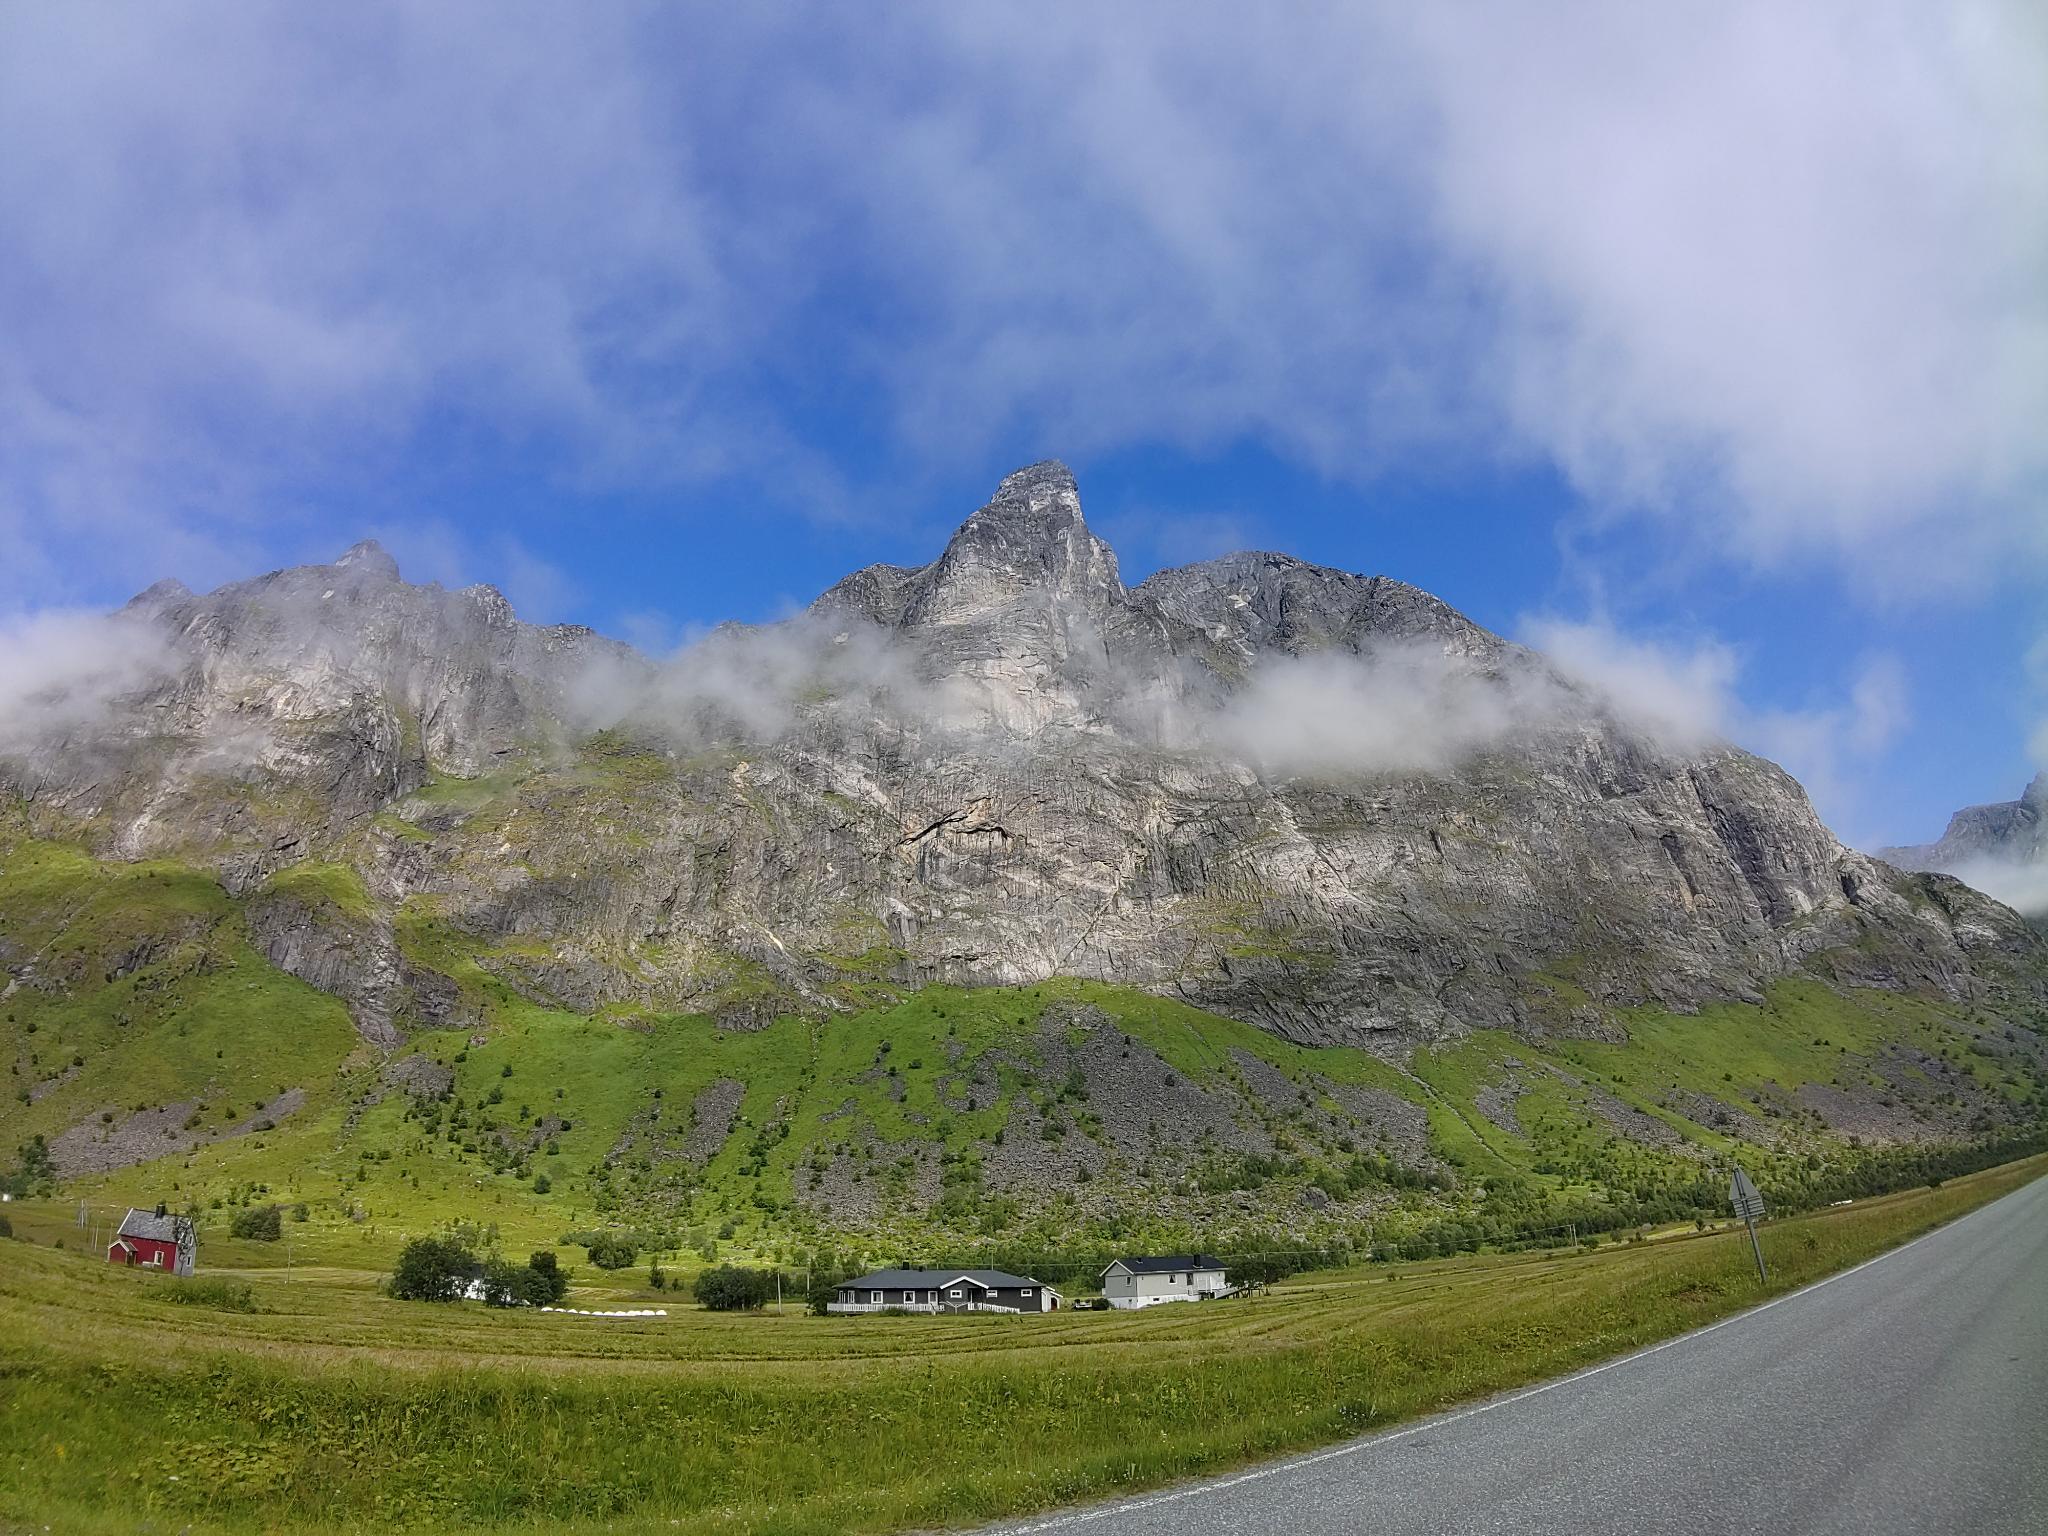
x=1909, y=1394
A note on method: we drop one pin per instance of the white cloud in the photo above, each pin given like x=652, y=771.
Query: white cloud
x=60, y=672
x=1773, y=268
x=1403, y=710
x=2023, y=887
x=1681, y=693
x=1686, y=693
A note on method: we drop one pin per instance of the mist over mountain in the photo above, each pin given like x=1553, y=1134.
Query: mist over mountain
x=2001, y=849
x=1322, y=802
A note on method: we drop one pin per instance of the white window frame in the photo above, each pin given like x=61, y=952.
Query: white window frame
x=874, y=1298
x=1025, y=1292
x=955, y=1293
x=910, y=1298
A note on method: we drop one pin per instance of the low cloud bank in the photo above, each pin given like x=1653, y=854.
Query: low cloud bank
x=2021, y=886
x=63, y=671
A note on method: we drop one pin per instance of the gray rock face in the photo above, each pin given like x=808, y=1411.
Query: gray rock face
x=994, y=768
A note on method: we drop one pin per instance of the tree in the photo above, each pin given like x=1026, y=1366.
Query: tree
x=433, y=1269
x=36, y=1174
x=729, y=1288
x=543, y=1264
x=609, y=1252
x=262, y=1223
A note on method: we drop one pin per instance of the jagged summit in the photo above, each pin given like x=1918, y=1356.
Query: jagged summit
x=1028, y=545
x=1307, y=798
x=370, y=558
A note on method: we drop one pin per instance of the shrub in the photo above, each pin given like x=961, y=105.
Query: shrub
x=262, y=1223
x=542, y=1184
x=729, y=1288
x=612, y=1253
x=432, y=1269
x=6, y=1227
x=657, y=1277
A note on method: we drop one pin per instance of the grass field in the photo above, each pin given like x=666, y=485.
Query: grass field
x=327, y=1407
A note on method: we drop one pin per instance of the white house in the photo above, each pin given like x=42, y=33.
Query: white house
x=1145, y=1282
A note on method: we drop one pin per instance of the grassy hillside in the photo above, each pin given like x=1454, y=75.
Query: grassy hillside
x=308, y=1402
x=164, y=1059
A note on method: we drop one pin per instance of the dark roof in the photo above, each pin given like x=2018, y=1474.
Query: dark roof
x=1165, y=1263
x=163, y=1229
x=934, y=1279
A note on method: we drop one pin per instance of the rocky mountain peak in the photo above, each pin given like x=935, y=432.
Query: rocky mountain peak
x=370, y=558
x=1029, y=540
x=2035, y=797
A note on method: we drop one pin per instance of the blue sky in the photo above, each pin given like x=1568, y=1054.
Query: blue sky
x=1710, y=348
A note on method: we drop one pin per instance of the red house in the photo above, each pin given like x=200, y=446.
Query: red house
x=155, y=1240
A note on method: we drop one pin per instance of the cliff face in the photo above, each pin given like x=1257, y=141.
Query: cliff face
x=1325, y=803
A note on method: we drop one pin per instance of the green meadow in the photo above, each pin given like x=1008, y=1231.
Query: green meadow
x=257, y=1400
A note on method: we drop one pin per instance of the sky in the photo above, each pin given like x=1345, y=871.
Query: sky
x=1706, y=347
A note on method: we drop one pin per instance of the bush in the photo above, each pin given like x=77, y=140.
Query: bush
x=542, y=1184
x=6, y=1227
x=728, y=1288
x=433, y=1269
x=657, y=1277
x=261, y=1223
x=612, y=1253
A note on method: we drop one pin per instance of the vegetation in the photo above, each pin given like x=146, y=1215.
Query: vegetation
x=339, y=1409
x=433, y=1269
x=258, y=1223
x=728, y=1288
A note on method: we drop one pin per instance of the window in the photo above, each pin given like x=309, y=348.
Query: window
x=954, y=1293
x=875, y=1297
x=1025, y=1292
x=909, y=1297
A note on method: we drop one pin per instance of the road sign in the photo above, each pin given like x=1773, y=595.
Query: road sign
x=1749, y=1205
x=1744, y=1196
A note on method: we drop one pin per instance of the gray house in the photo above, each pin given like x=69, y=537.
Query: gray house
x=943, y=1290
x=1130, y=1283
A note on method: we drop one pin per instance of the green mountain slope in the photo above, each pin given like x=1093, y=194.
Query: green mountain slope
x=161, y=1057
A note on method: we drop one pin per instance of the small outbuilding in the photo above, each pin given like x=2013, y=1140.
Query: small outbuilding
x=156, y=1240
x=943, y=1290
x=1133, y=1282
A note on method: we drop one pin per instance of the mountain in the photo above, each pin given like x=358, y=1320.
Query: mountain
x=2001, y=849
x=1322, y=804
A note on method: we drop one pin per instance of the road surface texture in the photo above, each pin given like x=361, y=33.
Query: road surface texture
x=1909, y=1394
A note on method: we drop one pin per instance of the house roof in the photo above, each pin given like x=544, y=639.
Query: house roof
x=162, y=1229
x=934, y=1279
x=1162, y=1264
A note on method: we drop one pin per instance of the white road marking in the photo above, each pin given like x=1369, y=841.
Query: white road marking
x=1440, y=1421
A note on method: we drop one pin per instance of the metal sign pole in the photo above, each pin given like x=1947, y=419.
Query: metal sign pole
x=1749, y=1205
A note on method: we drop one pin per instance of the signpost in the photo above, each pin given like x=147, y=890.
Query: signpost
x=1749, y=1205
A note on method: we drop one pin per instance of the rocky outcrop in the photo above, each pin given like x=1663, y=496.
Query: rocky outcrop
x=1323, y=802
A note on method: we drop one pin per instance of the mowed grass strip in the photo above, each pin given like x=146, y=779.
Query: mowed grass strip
x=115, y=1407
